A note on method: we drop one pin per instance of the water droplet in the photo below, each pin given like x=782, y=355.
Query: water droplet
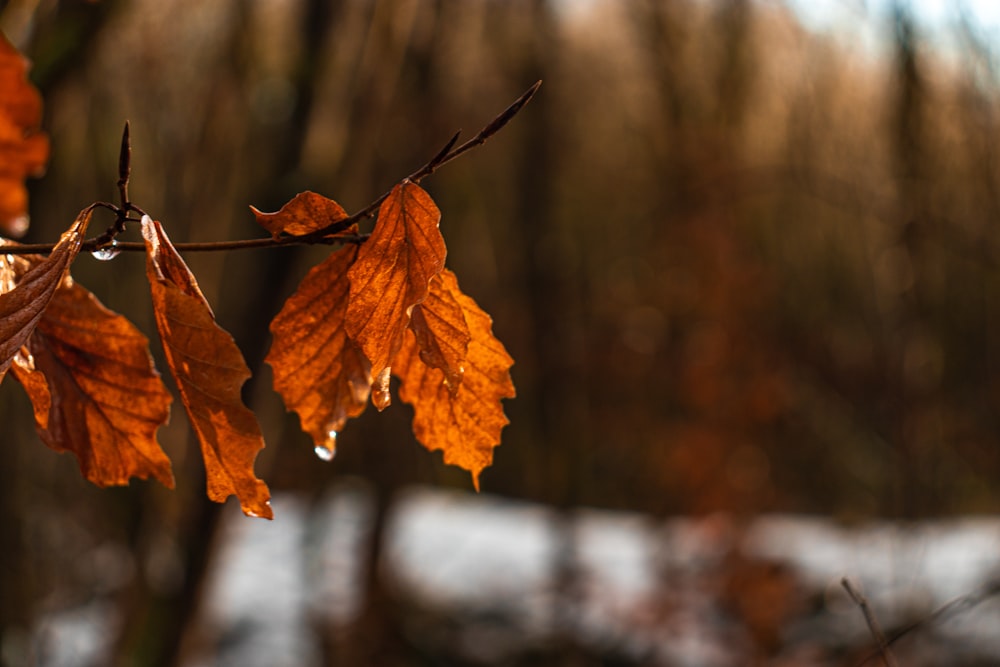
x=380, y=390
x=18, y=226
x=25, y=359
x=381, y=399
x=328, y=449
x=250, y=513
x=453, y=380
x=108, y=252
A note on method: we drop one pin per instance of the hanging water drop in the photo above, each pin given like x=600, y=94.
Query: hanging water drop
x=108, y=252
x=380, y=390
x=25, y=359
x=328, y=449
x=255, y=515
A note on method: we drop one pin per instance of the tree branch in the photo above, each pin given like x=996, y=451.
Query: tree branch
x=330, y=235
x=873, y=626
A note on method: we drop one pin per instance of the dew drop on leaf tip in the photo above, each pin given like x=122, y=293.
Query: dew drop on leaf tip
x=107, y=253
x=253, y=515
x=381, y=399
x=328, y=449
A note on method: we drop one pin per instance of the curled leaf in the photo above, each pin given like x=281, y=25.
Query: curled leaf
x=210, y=371
x=22, y=305
x=392, y=272
x=24, y=149
x=307, y=212
x=464, y=423
x=318, y=371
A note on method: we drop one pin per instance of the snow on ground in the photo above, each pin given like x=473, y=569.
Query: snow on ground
x=257, y=600
x=646, y=588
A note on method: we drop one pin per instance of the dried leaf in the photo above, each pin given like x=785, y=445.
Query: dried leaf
x=318, y=371
x=35, y=385
x=23, y=148
x=105, y=398
x=11, y=266
x=466, y=423
x=210, y=371
x=307, y=212
x=441, y=330
x=22, y=307
x=391, y=276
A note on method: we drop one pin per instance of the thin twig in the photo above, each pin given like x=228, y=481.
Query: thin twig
x=332, y=234
x=443, y=157
x=946, y=611
x=954, y=607
x=873, y=626
x=96, y=243
x=491, y=128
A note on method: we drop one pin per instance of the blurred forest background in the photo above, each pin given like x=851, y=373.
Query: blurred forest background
x=743, y=266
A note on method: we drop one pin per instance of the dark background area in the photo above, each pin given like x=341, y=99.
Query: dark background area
x=742, y=267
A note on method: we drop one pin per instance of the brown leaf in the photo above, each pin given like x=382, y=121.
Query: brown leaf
x=307, y=212
x=441, y=330
x=105, y=398
x=35, y=385
x=22, y=305
x=210, y=371
x=24, y=149
x=318, y=371
x=466, y=423
x=12, y=266
x=391, y=275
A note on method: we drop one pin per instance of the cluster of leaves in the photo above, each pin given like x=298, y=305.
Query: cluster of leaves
x=381, y=304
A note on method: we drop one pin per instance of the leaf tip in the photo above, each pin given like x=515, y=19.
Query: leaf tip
x=262, y=219
x=259, y=511
x=166, y=478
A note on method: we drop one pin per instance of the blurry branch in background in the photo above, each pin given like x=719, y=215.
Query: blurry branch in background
x=947, y=611
x=873, y=626
x=957, y=606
